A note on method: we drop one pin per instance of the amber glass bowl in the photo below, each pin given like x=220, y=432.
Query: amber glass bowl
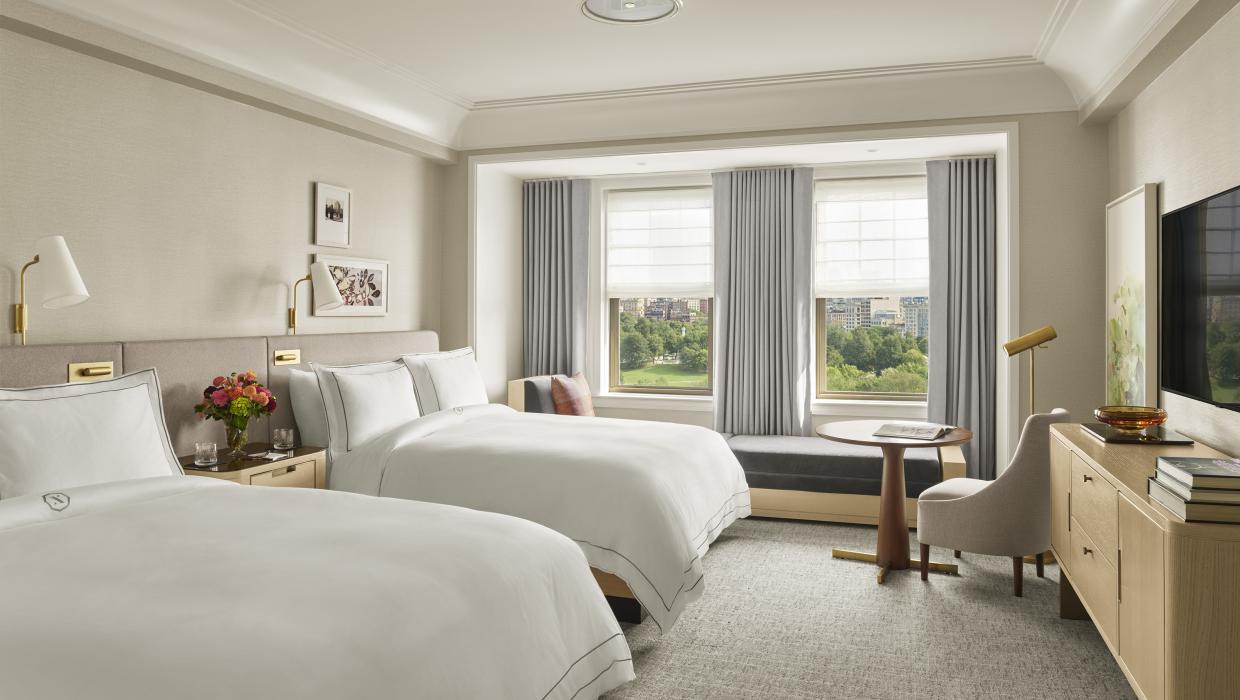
x=1130, y=417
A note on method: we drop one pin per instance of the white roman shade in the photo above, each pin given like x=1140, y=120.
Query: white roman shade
x=659, y=243
x=871, y=237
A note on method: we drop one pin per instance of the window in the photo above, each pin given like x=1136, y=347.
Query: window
x=660, y=282
x=872, y=281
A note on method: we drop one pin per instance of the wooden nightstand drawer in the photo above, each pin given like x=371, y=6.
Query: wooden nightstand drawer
x=305, y=467
x=300, y=475
x=1094, y=508
x=1096, y=580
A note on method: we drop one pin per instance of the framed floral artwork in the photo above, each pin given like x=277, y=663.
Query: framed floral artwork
x=333, y=214
x=1132, y=302
x=363, y=284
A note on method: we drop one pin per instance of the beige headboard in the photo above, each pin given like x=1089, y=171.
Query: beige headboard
x=186, y=366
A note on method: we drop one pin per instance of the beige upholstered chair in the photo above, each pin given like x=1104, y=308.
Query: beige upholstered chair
x=1009, y=516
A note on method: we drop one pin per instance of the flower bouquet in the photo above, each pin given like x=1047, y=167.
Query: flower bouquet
x=236, y=399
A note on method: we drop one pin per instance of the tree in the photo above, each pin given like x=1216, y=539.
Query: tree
x=634, y=351
x=696, y=359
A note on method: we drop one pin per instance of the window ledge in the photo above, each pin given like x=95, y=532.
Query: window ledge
x=659, y=402
x=868, y=408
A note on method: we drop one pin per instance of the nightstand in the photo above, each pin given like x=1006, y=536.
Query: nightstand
x=306, y=468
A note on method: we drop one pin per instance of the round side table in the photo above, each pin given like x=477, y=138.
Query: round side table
x=892, y=551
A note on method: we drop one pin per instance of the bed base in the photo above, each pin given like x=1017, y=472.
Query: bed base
x=623, y=604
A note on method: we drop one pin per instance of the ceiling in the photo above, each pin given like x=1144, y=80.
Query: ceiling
x=488, y=50
x=423, y=65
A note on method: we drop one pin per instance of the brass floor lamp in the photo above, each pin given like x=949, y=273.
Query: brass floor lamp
x=1031, y=341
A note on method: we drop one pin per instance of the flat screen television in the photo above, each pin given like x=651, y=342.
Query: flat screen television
x=1199, y=305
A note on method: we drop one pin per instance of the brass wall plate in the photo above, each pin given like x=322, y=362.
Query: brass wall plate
x=89, y=371
x=286, y=357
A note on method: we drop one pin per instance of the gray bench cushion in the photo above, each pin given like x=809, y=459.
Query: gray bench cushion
x=538, y=395
x=822, y=466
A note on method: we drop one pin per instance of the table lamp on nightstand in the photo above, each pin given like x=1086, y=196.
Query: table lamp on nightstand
x=326, y=295
x=1031, y=341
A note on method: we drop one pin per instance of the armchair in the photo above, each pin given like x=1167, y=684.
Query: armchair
x=1009, y=516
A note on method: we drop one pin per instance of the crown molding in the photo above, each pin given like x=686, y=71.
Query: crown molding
x=1060, y=16
x=789, y=79
x=265, y=11
x=1139, y=50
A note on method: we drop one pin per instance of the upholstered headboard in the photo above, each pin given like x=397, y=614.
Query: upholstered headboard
x=186, y=366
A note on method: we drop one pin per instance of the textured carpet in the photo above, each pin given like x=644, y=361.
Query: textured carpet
x=781, y=619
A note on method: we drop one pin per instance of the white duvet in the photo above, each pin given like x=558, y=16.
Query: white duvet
x=185, y=587
x=644, y=500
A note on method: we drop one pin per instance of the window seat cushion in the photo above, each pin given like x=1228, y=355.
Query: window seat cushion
x=823, y=466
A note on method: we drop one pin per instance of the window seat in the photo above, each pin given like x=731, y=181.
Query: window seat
x=823, y=466
x=808, y=478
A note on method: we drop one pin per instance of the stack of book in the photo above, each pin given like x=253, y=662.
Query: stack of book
x=1198, y=488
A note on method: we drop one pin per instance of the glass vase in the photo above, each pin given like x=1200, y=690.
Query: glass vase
x=237, y=438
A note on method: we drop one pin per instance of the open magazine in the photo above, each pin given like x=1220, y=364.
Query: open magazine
x=914, y=431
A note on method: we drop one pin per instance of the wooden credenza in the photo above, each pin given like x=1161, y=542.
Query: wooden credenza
x=1164, y=593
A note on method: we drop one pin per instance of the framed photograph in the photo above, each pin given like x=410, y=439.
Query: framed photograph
x=1132, y=298
x=363, y=284
x=333, y=210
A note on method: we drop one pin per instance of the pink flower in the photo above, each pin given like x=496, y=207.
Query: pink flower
x=220, y=397
x=218, y=381
x=262, y=399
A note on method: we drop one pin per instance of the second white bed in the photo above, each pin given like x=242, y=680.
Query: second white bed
x=644, y=500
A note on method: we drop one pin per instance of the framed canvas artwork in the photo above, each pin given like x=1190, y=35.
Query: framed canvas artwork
x=333, y=212
x=363, y=284
x=1132, y=298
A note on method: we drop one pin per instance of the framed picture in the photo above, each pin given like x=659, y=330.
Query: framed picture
x=333, y=210
x=363, y=284
x=1132, y=298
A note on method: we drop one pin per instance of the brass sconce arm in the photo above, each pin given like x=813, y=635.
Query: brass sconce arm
x=292, y=310
x=21, y=318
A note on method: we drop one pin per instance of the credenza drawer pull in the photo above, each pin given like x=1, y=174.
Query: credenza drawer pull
x=1085, y=478
x=1086, y=550
x=285, y=470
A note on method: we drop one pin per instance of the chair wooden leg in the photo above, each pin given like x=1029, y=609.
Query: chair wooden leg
x=956, y=553
x=1018, y=574
x=925, y=562
x=1038, y=559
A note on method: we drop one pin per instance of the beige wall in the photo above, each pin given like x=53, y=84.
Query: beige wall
x=1062, y=181
x=1182, y=132
x=189, y=213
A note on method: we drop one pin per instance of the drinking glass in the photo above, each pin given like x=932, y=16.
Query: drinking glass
x=205, y=454
x=282, y=438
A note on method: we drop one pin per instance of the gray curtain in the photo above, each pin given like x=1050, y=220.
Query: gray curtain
x=763, y=309
x=555, y=240
x=963, y=347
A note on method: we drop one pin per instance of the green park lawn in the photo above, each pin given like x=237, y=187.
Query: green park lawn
x=670, y=375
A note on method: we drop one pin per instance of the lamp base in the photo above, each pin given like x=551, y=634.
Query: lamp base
x=21, y=319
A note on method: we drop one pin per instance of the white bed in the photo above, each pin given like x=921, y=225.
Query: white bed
x=176, y=586
x=643, y=499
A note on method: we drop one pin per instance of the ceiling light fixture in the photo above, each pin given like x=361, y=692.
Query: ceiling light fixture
x=630, y=11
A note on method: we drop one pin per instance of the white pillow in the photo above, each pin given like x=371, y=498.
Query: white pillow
x=308, y=409
x=365, y=401
x=446, y=379
x=58, y=437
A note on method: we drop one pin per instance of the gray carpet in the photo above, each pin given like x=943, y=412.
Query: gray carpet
x=781, y=619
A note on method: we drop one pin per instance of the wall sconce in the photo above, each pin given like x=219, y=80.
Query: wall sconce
x=62, y=285
x=326, y=295
x=1031, y=341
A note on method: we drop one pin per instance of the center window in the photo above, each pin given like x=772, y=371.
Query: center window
x=660, y=277
x=872, y=283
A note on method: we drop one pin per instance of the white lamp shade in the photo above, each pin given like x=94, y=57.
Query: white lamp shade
x=326, y=295
x=59, y=281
